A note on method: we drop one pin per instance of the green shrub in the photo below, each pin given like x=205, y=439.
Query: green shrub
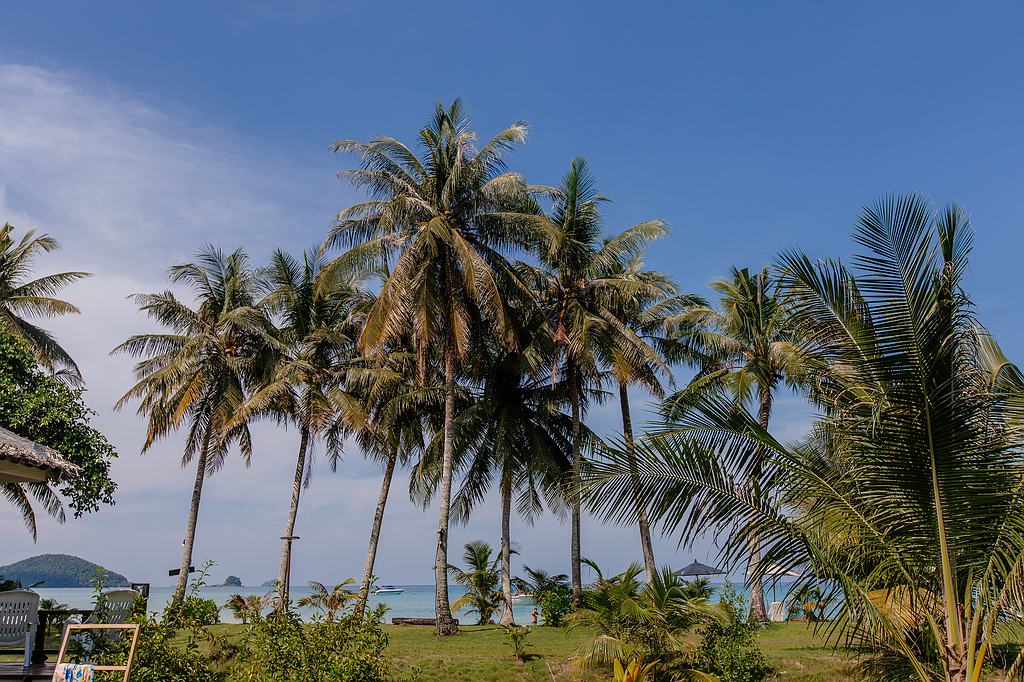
x=730, y=650
x=281, y=648
x=555, y=605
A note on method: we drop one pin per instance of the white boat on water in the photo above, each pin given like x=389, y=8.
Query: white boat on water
x=522, y=596
x=388, y=589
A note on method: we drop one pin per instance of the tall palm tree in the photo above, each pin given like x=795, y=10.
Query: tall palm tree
x=443, y=217
x=316, y=341
x=746, y=347
x=513, y=429
x=21, y=297
x=580, y=289
x=196, y=374
x=906, y=496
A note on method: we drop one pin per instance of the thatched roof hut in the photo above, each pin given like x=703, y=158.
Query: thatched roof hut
x=22, y=461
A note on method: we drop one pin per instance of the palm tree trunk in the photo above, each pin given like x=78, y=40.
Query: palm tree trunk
x=378, y=520
x=507, y=617
x=444, y=624
x=193, y=518
x=283, y=572
x=758, y=610
x=645, y=528
x=574, y=483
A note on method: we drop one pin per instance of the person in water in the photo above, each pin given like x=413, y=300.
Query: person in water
x=534, y=615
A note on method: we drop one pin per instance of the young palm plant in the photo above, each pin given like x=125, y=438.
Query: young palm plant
x=21, y=297
x=909, y=494
x=746, y=349
x=197, y=373
x=329, y=601
x=480, y=578
x=319, y=315
x=642, y=621
x=580, y=288
x=442, y=217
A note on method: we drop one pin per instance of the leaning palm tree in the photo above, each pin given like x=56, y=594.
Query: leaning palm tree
x=196, y=374
x=315, y=344
x=908, y=496
x=746, y=348
x=514, y=430
x=580, y=290
x=649, y=313
x=399, y=414
x=442, y=217
x=21, y=297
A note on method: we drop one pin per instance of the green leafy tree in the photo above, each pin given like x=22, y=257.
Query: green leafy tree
x=906, y=496
x=581, y=289
x=37, y=406
x=443, y=217
x=481, y=580
x=197, y=373
x=21, y=298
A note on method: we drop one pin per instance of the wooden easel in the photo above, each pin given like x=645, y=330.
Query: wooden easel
x=134, y=627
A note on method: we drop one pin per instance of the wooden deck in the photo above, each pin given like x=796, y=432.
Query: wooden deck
x=15, y=671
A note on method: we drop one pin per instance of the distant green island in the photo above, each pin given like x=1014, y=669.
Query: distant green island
x=233, y=581
x=58, y=570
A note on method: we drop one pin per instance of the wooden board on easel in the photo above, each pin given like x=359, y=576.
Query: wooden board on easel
x=134, y=627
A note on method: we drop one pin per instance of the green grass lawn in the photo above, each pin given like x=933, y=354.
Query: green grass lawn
x=480, y=654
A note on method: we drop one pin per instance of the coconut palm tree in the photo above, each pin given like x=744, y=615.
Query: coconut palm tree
x=907, y=495
x=745, y=347
x=443, y=218
x=648, y=313
x=319, y=314
x=21, y=297
x=399, y=416
x=196, y=374
x=580, y=289
x=514, y=430
x=480, y=580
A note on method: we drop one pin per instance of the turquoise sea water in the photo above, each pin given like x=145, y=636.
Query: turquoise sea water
x=416, y=602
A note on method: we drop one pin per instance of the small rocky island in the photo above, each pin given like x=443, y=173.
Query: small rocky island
x=232, y=581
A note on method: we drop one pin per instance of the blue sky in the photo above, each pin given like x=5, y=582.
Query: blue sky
x=137, y=132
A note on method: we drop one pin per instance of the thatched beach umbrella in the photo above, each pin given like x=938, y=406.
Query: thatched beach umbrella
x=697, y=569
x=22, y=461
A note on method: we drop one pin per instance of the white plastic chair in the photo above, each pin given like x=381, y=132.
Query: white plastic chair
x=19, y=616
x=777, y=612
x=117, y=606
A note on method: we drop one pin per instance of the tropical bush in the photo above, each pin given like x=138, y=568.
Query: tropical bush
x=551, y=592
x=280, y=647
x=728, y=648
x=516, y=636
